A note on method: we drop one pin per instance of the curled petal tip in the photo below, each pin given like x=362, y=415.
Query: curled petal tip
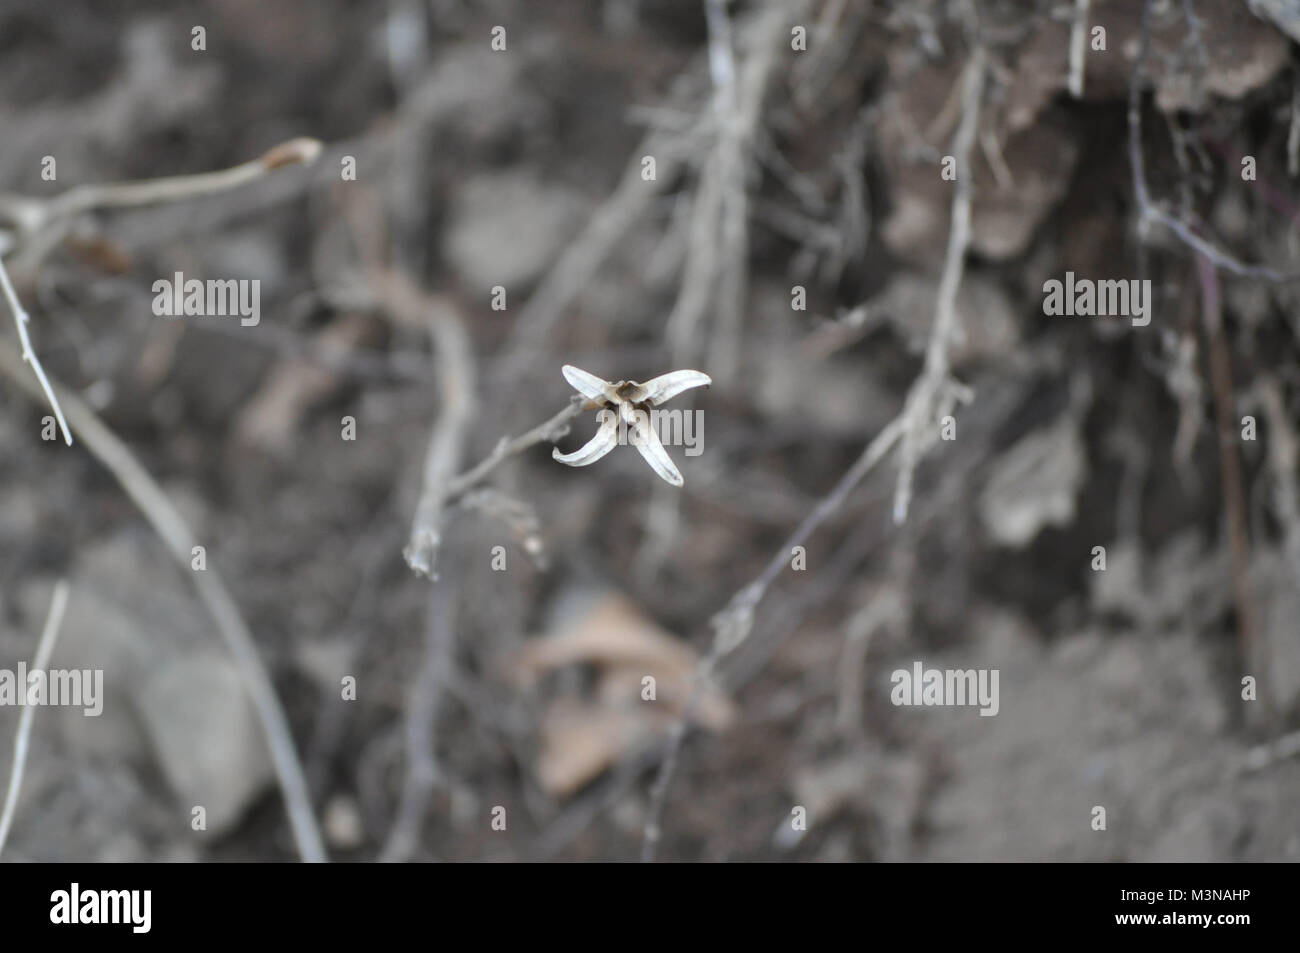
x=605, y=440
x=589, y=385
x=667, y=386
x=647, y=442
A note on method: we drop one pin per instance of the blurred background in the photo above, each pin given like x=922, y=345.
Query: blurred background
x=786, y=236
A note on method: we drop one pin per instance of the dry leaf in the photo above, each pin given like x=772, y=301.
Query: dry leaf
x=582, y=737
x=579, y=740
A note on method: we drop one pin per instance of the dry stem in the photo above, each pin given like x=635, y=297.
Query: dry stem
x=176, y=535
x=49, y=635
x=1078, y=47
x=1234, y=499
x=29, y=356
x=931, y=395
x=1148, y=211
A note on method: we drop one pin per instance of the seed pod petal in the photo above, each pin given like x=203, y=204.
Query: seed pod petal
x=589, y=385
x=667, y=386
x=606, y=439
x=647, y=442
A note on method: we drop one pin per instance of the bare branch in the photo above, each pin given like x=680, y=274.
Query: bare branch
x=733, y=624
x=1283, y=461
x=29, y=356
x=1078, y=47
x=179, y=539
x=1271, y=752
x=456, y=374
x=1293, y=134
x=716, y=263
x=931, y=395
x=43, y=223
x=49, y=635
x=1232, y=486
x=583, y=257
x=1149, y=211
x=176, y=188
x=933, y=388
x=425, y=695
x=547, y=432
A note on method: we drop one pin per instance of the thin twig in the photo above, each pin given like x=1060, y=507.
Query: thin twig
x=883, y=608
x=446, y=447
x=408, y=305
x=425, y=696
x=748, y=598
x=722, y=61
x=43, y=223
x=1283, y=460
x=733, y=624
x=29, y=356
x=933, y=387
x=1293, y=134
x=175, y=188
x=176, y=535
x=49, y=635
x=456, y=368
x=1078, y=47
x=1234, y=499
x=579, y=262
x=456, y=376
x=1269, y=753
x=1148, y=211
x=457, y=373
x=716, y=240
x=653, y=831
x=715, y=269
x=547, y=432
x=932, y=394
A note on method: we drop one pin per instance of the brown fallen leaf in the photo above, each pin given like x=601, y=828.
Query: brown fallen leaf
x=580, y=740
x=582, y=737
x=603, y=628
